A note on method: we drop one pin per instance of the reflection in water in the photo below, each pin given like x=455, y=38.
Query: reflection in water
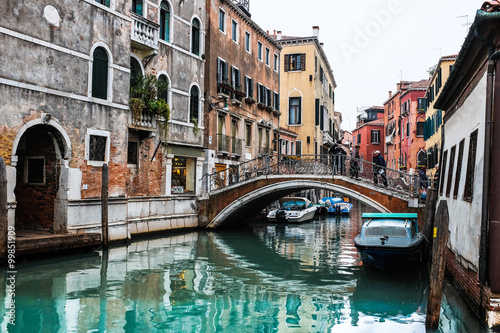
x=267, y=278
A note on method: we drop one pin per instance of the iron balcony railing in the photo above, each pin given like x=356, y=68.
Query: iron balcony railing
x=402, y=183
x=266, y=151
x=223, y=143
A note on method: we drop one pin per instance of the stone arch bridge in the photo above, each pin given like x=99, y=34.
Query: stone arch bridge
x=233, y=199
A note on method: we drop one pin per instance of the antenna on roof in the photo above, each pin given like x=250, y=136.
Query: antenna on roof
x=467, y=24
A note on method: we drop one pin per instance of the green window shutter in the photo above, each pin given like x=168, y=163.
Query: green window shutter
x=321, y=117
x=196, y=37
x=100, y=74
x=302, y=61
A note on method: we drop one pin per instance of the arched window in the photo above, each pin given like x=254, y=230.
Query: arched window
x=194, y=105
x=135, y=71
x=100, y=73
x=421, y=158
x=165, y=21
x=195, y=37
x=162, y=79
x=137, y=7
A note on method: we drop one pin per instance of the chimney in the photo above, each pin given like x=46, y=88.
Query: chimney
x=398, y=86
x=278, y=36
x=316, y=31
x=274, y=32
x=390, y=94
x=322, y=44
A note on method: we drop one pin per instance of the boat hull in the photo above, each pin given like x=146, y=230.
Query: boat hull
x=289, y=217
x=389, y=257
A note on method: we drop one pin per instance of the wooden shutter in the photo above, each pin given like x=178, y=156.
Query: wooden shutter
x=287, y=62
x=316, y=109
x=100, y=74
x=302, y=61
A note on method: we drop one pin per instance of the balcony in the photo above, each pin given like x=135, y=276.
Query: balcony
x=223, y=144
x=236, y=146
x=266, y=151
x=144, y=33
x=327, y=139
x=144, y=121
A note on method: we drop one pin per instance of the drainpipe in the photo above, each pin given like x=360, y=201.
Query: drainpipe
x=494, y=183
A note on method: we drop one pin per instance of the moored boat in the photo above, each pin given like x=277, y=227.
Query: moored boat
x=389, y=240
x=336, y=205
x=293, y=210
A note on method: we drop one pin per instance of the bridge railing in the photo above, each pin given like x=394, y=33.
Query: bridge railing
x=357, y=170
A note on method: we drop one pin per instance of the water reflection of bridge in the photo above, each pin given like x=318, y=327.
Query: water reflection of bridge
x=244, y=190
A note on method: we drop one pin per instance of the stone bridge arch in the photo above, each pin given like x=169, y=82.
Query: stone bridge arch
x=246, y=200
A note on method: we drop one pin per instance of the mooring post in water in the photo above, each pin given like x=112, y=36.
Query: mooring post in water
x=438, y=266
x=430, y=212
x=104, y=204
x=4, y=221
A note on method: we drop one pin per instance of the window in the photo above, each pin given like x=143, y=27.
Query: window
x=298, y=148
x=359, y=138
x=222, y=76
x=248, y=134
x=137, y=7
x=234, y=31
x=421, y=104
x=247, y=41
x=133, y=152
x=375, y=137
x=471, y=166
x=165, y=21
x=222, y=20
x=249, y=87
x=459, y=168
x=276, y=62
x=421, y=158
x=268, y=56
x=269, y=97
x=316, y=112
x=97, y=148
x=183, y=175
x=195, y=37
x=162, y=79
x=450, y=172
x=443, y=172
x=104, y=2
x=100, y=73
x=236, y=78
x=276, y=104
x=261, y=93
x=35, y=170
x=295, y=112
x=420, y=127
x=295, y=62
x=194, y=105
x=259, y=51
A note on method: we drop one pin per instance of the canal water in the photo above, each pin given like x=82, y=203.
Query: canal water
x=260, y=278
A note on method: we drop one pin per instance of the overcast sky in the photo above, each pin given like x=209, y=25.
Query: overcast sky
x=371, y=45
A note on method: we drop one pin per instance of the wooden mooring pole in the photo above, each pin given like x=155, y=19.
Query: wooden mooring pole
x=4, y=221
x=430, y=213
x=104, y=205
x=438, y=266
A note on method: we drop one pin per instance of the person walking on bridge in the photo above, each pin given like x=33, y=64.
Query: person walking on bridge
x=379, y=168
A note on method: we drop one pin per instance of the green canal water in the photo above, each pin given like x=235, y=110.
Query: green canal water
x=261, y=278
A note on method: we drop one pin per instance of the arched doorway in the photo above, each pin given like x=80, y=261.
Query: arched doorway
x=39, y=150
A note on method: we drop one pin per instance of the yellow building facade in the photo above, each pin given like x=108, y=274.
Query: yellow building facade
x=307, y=94
x=434, y=117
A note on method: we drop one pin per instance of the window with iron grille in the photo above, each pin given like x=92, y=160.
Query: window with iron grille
x=133, y=152
x=459, y=168
x=100, y=73
x=195, y=37
x=450, y=172
x=35, y=170
x=471, y=166
x=165, y=21
x=97, y=148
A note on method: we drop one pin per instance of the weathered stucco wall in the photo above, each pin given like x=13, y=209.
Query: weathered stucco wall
x=465, y=217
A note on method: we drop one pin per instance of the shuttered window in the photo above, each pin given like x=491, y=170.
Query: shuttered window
x=295, y=62
x=222, y=71
x=459, y=168
x=100, y=74
x=165, y=21
x=316, y=112
x=471, y=166
x=195, y=37
x=443, y=172
x=450, y=172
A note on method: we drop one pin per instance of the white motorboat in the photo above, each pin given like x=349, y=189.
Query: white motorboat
x=293, y=210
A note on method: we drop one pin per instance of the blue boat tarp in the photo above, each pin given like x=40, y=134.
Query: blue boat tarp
x=389, y=216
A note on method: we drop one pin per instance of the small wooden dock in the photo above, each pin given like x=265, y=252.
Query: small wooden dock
x=32, y=242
